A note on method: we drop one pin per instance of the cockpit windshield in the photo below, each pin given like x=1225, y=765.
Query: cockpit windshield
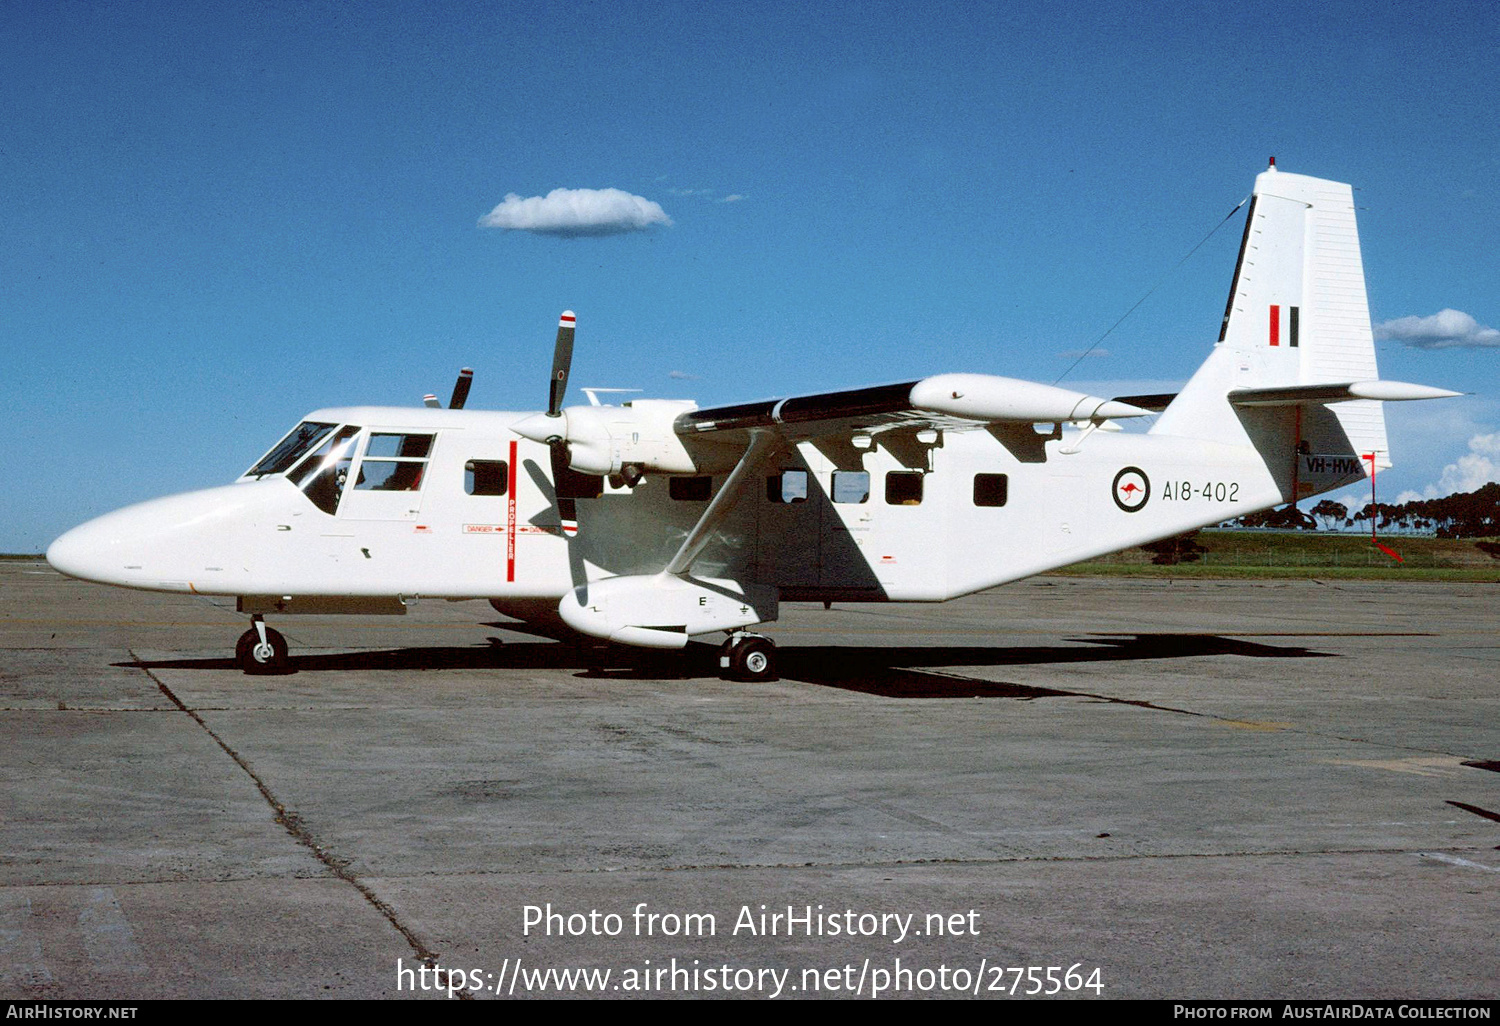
x=322, y=475
x=291, y=448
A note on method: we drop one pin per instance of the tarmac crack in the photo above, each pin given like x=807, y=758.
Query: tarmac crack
x=293, y=824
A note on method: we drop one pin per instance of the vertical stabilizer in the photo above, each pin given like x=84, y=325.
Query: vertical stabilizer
x=1297, y=315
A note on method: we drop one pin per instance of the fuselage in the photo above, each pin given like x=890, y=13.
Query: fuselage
x=432, y=503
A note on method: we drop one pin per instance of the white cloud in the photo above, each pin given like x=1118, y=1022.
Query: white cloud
x=1479, y=466
x=576, y=212
x=678, y=375
x=1446, y=329
x=733, y=197
x=1352, y=501
x=1476, y=468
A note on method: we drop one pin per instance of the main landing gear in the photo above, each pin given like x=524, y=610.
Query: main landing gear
x=747, y=656
x=261, y=650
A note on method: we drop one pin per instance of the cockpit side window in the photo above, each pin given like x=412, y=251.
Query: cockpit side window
x=384, y=444
x=322, y=475
x=393, y=462
x=291, y=448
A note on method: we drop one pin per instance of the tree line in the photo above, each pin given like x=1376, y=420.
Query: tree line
x=1473, y=514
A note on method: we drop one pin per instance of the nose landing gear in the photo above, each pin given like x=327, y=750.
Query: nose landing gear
x=749, y=657
x=261, y=650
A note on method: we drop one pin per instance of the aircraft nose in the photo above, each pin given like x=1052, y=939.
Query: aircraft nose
x=193, y=541
x=84, y=552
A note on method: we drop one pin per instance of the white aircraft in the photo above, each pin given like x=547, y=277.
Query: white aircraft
x=653, y=521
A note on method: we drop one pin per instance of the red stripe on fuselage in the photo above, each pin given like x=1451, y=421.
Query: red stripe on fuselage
x=510, y=516
x=1275, y=325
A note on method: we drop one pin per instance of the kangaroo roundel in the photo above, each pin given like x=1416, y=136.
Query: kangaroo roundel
x=1131, y=489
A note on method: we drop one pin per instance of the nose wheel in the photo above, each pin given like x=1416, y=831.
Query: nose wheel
x=261, y=650
x=750, y=657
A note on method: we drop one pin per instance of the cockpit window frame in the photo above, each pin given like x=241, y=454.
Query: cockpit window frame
x=288, y=456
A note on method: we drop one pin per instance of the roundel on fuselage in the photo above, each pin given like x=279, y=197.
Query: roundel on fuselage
x=1131, y=489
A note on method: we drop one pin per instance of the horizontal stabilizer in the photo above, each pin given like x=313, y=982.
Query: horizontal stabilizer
x=1297, y=395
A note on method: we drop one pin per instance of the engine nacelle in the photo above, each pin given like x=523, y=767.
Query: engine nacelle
x=992, y=398
x=664, y=610
x=605, y=439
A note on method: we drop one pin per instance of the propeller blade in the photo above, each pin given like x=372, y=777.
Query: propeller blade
x=567, y=508
x=461, y=389
x=431, y=401
x=562, y=361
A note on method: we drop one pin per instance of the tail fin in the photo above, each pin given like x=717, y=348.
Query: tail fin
x=1297, y=316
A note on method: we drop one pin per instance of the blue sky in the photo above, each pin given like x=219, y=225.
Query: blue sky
x=221, y=216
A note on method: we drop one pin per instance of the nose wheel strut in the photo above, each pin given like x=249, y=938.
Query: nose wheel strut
x=261, y=650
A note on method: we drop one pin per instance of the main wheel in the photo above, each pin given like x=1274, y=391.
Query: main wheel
x=753, y=658
x=255, y=657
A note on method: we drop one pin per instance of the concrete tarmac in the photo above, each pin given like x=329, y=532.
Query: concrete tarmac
x=1199, y=789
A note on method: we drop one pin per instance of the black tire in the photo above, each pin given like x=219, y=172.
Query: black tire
x=260, y=660
x=753, y=659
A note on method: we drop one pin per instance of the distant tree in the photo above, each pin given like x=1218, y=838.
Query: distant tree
x=1334, y=513
x=1473, y=514
x=1290, y=518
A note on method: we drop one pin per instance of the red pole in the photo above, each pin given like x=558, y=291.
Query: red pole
x=1374, y=512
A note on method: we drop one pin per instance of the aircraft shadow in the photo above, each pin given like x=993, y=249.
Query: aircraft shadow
x=885, y=672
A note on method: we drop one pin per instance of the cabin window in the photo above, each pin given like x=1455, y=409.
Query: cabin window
x=486, y=477
x=991, y=489
x=322, y=475
x=690, y=489
x=787, y=486
x=291, y=448
x=393, y=462
x=903, y=488
x=852, y=486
